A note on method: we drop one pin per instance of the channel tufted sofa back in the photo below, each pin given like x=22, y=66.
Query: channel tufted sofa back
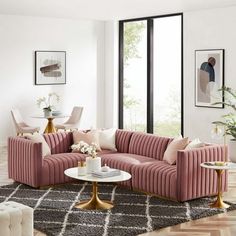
x=59, y=142
x=148, y=145
x=122, y=140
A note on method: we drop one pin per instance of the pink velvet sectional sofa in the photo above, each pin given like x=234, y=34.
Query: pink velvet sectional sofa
x=138, y=153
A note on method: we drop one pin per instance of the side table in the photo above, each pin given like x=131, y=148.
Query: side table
x=219, y=203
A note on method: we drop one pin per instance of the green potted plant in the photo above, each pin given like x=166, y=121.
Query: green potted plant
x=229, y=120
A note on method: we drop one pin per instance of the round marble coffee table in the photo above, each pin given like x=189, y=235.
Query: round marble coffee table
x=95, y=203
x=219, y=203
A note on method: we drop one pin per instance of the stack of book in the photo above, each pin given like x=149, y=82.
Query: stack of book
x=105, y=174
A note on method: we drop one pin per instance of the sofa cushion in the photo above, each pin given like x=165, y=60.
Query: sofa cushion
x=59, y=142
x=38, y=138
x=158, y=177
x=55, y=165
x=122, y=140
x=196, y=143
x=176, y=145
x=124, y=161
x=107, y=139
x=105, y=151
x=148, y=145
x=90, y=137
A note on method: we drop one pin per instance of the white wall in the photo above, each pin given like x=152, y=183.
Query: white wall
x=207, y=29
x=83, y=41
x=111, y=74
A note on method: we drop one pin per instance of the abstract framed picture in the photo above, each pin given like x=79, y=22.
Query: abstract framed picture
x=209, y=77
x=50, y=67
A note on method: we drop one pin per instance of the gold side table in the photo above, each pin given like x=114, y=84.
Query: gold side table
x=95, y=203
x=219, y=203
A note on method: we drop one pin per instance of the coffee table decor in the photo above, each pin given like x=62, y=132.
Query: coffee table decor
x=134, y=213
x=106, y=172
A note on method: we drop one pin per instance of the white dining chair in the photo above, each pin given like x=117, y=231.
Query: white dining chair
x=73, y=121
x=20, y=125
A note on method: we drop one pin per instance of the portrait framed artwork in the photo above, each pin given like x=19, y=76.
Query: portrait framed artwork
x=50, y=67
x=209, y=77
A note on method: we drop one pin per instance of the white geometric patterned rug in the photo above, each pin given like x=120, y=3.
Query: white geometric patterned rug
x=134, y=213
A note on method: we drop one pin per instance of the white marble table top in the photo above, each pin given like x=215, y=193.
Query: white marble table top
x=212, y=165
x=73, y=173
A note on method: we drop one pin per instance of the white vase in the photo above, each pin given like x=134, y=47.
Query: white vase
x=93, y=164
x=47, y=113
x=232, y=150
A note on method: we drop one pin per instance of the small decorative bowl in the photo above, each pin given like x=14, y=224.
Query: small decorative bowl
x=220, y=163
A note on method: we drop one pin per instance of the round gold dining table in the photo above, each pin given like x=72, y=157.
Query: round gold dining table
x=50, y=128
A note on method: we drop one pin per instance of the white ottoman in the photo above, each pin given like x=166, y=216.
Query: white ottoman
x=15, y=219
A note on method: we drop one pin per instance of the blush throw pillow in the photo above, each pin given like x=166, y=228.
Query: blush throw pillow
x=107, y=139
x=89, y=138
x=170, y=154
x=196, y=143
x=38, y=138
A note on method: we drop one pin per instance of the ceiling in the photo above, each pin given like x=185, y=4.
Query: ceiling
x=105, y=9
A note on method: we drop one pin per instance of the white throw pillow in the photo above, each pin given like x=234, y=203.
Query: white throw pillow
x=196, y=143
x=38, y=138
x=107, y=139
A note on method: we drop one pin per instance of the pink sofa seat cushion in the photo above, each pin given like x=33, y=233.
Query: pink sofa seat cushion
x=148, y=145
x=105, y=151
x=124, y=161
x=55, y=165
x=158, y=177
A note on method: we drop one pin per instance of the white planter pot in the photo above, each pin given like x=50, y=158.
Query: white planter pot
x=232, y=150
x=47, y=113
x=93, y=164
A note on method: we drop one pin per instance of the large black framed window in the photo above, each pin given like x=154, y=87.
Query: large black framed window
x=151, y=74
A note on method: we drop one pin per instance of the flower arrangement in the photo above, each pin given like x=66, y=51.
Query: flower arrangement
x=229, y=120
x=47, y=102
x=83, y=147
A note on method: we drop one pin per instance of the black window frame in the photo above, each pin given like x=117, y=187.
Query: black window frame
x=149, y=70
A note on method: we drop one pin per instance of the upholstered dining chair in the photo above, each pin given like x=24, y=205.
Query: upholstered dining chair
x=20, y=125
x=73, y=121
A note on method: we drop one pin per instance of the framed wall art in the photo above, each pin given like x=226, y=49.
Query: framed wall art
x=209, y=77
x=50, y=67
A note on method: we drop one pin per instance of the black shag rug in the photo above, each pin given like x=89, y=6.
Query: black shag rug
x=134, y=213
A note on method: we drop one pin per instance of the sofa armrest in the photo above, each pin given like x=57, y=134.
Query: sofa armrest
x=25, y=161
x=194, y=181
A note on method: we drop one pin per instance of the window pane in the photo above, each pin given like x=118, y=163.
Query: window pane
x=135, y=76
x=167, y=76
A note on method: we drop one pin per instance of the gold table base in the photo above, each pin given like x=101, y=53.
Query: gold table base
x=95, y=203
x=50, y=127
x=219, y=201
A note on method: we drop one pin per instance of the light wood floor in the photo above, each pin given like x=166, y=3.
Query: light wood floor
x=220, y=225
